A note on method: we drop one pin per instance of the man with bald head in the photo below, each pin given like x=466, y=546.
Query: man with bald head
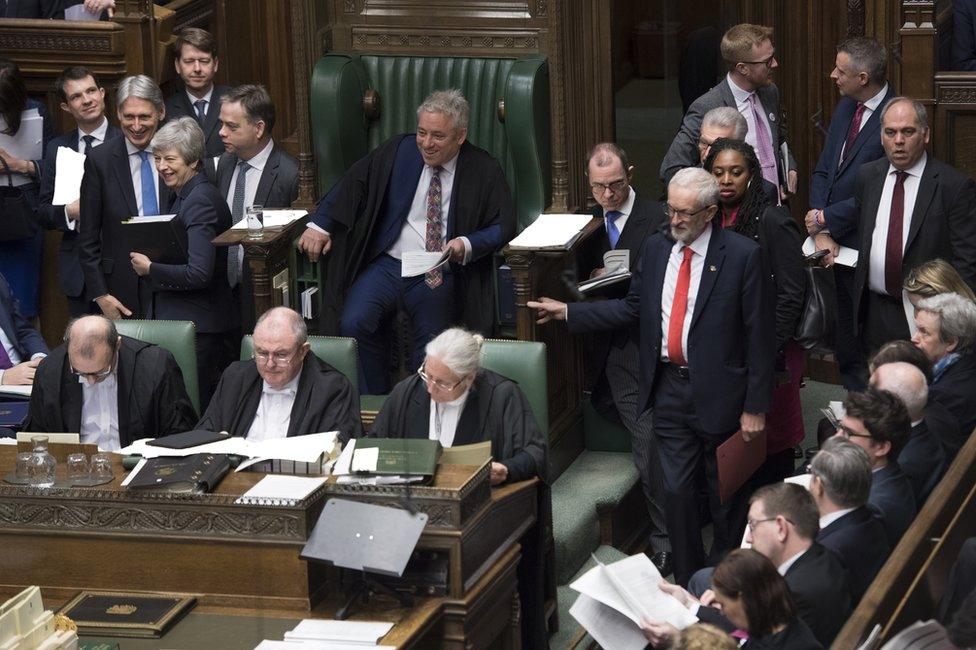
x=111, y=389
x=283, y=391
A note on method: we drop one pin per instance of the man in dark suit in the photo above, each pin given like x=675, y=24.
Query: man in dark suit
x=426, y=192
x=706, y=358
x=877, y=421
x=852, y=140
x=840, y=484
x=922, y=458
x=195, y=57
x=612, y=358
x=913, y=208
x=283, y=391
x=21, y=346
x=111, y=389
x=749, y=54
x=84, y=99
x=120, y=182
x=963, y=35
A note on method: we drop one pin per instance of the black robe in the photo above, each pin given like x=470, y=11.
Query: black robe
x=152, y=397
x=496, y=410
x=325, y=401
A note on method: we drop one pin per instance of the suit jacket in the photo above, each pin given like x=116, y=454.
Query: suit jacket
x=152, y=398
x=795, y=636
x=70, y=276
x=893, y=500
x=365, y=211
x=683, y=151
x=278, y=186
x=730, y=343
x=496, y=410
x=781, y=244
x=858, y=538
x=178, y=105
x=325, y=401
x=943, y=222
x=198, y=290
x=923, y=462
x=964, y=35
x=108, y=198
x=25, y=339
x=953, y=392
x=833, y=182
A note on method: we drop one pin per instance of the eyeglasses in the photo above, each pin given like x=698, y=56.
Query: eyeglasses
x=847, y=432
x=768, y=61
x=437, y=382
x=275, y=357
x=613, y=186
x=752, y=524
x=98, y=375
x=672, y=212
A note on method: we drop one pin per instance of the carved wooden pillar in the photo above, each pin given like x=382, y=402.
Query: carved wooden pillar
x=560, y=168
x=916, y=71
x=136, y=18
x=300, y=19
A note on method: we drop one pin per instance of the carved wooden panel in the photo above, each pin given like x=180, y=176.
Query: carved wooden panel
x=444, y=9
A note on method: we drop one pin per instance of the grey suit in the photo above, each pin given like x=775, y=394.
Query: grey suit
x=684, y=148
x=278, y=185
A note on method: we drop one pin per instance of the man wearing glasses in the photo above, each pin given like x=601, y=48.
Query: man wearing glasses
x=283, y=390
x=111, y=389
x=750, y=56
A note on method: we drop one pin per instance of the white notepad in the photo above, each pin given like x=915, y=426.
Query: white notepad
x=280, y=490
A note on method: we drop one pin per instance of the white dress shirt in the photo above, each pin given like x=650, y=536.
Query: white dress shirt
x=625, y=209
x=785, y=566
x=743, y=106
x=100, y=413
x=826, y=520
x=699, y=247
x=879, y=239
x=273, y=416
x=98, y=137
x=870, y=106
x=444, y=419
x=253, y=177
x=135, y=168
x=413, y=235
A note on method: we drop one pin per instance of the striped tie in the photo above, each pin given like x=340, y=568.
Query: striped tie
x=435, y=226
x=237, y=211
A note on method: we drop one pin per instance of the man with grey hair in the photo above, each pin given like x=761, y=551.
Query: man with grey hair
x=120, y=182
x=111, y=389
x=706, y=355
x=840, y=484
x=913, y=209
x=426, y=192
x=722, y=122
x=283, y=390
x=945, y=331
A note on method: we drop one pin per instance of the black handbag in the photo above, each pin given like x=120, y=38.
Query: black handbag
x=817, y=328
x=16, y=212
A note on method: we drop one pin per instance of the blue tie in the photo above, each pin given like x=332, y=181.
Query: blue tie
x=201, y=106
x=613, y=233
x=150, y=205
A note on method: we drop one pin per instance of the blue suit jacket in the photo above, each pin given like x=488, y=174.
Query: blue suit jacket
x=832, y=185
x=923, y=460
x=858, y=539
x=24, y=338
x=894, y=500
x=730, y=343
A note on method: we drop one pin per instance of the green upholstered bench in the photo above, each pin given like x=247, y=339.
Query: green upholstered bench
x=524, y=362
x=177, y=336
x=337, y=351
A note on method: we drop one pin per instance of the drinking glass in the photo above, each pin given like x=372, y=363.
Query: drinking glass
x=78, y=467
x=101, y=466
x=255, y=221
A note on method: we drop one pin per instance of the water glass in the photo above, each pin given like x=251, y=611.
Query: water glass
x=22, y=472
x=255, y=222
x=78, y=467
x=101, y=466
x=41, y=467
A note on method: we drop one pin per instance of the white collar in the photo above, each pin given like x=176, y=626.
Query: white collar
x=741, y=94
x=260, y=159
x=700, y=245
x=107, y=383
x=98, y=132
x=627, y=206
x=785, y=566
x=448, y=167
x=872, y=104
x=915, y=170
x=206, y=98
x=828, y=519
x=456, y=402
x=291, y=388
x=131, y=149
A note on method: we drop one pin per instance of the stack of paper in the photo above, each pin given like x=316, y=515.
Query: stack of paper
x=415, y=263
x=552, y=231
x=70, y=168
x=26, y=144
x=274, y=218
x=845, y=257
x=331, y=635
x=615, y=598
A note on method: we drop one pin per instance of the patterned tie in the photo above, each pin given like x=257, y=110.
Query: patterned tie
x=89, y=140
x=764, y=144
x=201, y=106
x=5, y=361
x=676, y=323
x=893, y=247
x=854, y=130
x=613, y=233
x=435, y=227
x=237, y=211
x=150, y=205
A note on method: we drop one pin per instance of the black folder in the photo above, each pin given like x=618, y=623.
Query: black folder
x=161, y=238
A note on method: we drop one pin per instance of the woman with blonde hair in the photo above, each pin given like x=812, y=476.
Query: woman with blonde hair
x=932, y=278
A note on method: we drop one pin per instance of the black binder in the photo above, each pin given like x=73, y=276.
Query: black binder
x=161, y=238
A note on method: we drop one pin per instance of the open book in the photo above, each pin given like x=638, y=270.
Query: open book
x=552, y=232
x=615, y=598
x=616, y=269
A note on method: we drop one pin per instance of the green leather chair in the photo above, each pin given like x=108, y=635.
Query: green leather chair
x=337, y=351
x=358, y=101
x=177, y=336
x=524, y=362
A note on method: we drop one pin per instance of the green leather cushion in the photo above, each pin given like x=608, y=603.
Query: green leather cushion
x=524, y=362
x=337, y=351
x=177, y=336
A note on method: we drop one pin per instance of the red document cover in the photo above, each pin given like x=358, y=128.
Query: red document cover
x=738, y=460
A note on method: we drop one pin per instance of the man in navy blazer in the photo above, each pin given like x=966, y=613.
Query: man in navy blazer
x=83, y=98
x=21, y=346
x=706, y=369
x=195, y=58
x=852, y=140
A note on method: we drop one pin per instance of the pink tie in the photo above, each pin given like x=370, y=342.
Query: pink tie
x=854, y=130
x=764, y=144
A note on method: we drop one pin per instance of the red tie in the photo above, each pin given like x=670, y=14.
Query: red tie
x=854, y=130
x=893, y=247
x=679, y=306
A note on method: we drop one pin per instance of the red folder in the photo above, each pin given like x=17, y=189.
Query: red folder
x=738, y=460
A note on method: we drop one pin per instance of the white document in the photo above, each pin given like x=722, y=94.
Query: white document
x=78, y=12
x=616, y=261
x=27, y=144
x=300, y=449
x=343, y=464
x=12, y=389
x=274, y=218
x=281, y=489
x=845, y=257
x=552, y=231
x=364, y=460
x=353, y=632
x=837, y=408
x=608, y=627
x=296, y=644
x=414, y=263
x=69, y=170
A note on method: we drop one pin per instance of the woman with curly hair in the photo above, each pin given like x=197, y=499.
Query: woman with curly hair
x=745, y=209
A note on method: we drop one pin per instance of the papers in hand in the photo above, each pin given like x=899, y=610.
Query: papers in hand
x=615, y=598
x=553, y=231
x=69, y=170
x=616, y=268
x=274, y=218
x=845, y=257
x=414, y=263
x=26, y=144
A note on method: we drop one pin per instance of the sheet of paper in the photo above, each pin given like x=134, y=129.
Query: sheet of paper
x=344, y=463
x=20, y=391
x=236, y=445
x=361, y=632
x=134, y=471
x=365, y=459
x=837, y=408
x=551, y=230
x=301, y=449
x=27, y=144
x=274, y=219
x=616, y=261
x=474, y=454
x=845, y=257
x=281, y=487
x=608, y=627
x=78, y=12
x=414, y=263
x=803, y=480
x=69, y=170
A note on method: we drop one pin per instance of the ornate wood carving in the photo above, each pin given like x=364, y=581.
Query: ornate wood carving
x=855, y=17
x=447, y=9
x=434, y=40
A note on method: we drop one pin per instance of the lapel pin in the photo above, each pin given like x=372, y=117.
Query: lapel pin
x=772, y=117
x=712, y=268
